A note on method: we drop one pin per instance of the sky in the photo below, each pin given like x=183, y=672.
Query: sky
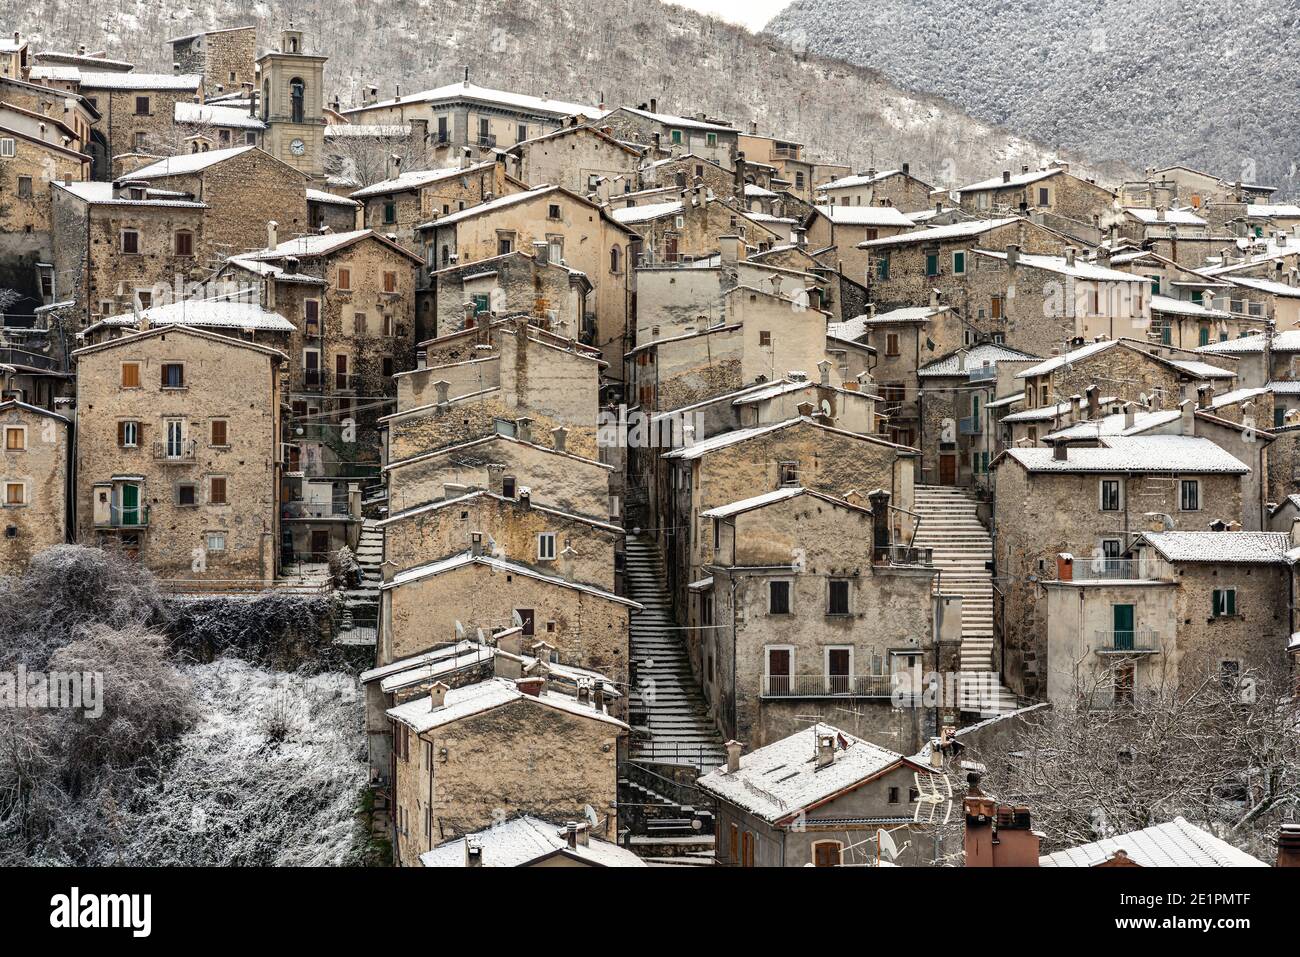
x=753, y=14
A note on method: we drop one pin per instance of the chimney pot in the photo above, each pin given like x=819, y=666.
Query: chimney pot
x=438, y=695
x=825, y=750
x=733, y=756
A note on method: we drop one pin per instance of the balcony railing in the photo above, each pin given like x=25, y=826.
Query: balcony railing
x=1136, y=641
x=131, y=516
x=828, y=686
x=970, y=425
x=486, y=139
x=182, y=452
x=983, y=373
x=9, y=355
x=903, y=555
x=1113, y=569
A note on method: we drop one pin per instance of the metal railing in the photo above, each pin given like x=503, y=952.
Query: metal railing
x=12, y=356
x=1113, y=569
x=983, y=373
x=904, y=555
x=131, y=516
x=184, y=451
x=828, y=686
x=486, y=139
x=970, y=425
x=1109, y=641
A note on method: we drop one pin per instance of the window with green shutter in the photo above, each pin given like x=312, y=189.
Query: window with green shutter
x=1225, y=602
x=882, y=267
x=932, y=264
x=959, y=263
x=1205, y=336
x=1279, y=417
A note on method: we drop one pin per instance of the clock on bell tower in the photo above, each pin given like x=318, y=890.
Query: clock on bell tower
x=292, y=101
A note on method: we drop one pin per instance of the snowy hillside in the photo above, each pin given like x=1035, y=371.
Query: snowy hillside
x=1149, y=83
x=627, y=50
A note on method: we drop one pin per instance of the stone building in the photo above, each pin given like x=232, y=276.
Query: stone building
x=1178, y=608
x=399, y=204
x=224, y=58
x=136, y=110
x=583, y=159
x=844, y=227
x=576, y=232
x=891, y=187
x=662, y=133
x=1066, y=202
x=691, y=227
x=292, y=104
x=803, y=610
x=35, y=470
x=466, y=757
x=1092, y=502
x=175, y=467
x=118, y=247
x=528, y=841
x=815, y=798
x=330, y=213
x=209, y=126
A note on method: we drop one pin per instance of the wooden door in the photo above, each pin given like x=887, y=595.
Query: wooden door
x=838, y=672
x=320, y=544
x=778, y=671
x=747, y=849
x=947, y=470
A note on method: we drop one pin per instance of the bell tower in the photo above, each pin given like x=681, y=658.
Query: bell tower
x=292, y=103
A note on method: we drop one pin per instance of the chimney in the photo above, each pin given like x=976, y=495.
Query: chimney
x=511, y=641
x=1076, y=406
x=1013, y=255
x=1204, y=396
x=559, y=436
x=471, y=316
x=1130, y=414
x=271, y=241
x=583, y=834
x=506, y=664
x=1187, y=420
x=571, y=834
x=1060, y=452
x=534, y=685
x=443, y=387
x=654, y=105
x=824, y=367
x=1064, y=567
x=473, y=851
x=525, y=496
x=476, y=543
x=524, y=429
x=1093, y=394
x=1069, y=255
x=907, y=169
x=730, y=248
x=1103, y=256
x=1288, y=846
x=733, y=756
x=438, y=695
x=880, y=538
x=997, y=835
x=825, y=750
x=1006, y=176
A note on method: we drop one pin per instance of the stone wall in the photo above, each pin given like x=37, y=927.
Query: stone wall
x=40, y=465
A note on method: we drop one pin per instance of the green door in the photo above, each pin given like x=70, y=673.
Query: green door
x=130, y=505
x=1123, y=626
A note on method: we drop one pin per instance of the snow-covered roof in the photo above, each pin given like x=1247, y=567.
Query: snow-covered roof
x=414, y=179
x=1079, y=269
x=99, y=193
x=320, y=196
x=669, y=119
x=401, y=665
x=420, y=715
x=1245, y=548
x=726, y=439
x=1281, y=387
x=1270, y=286
x=1273, y=210
x=934, y=234
x=205, y=114
x=1139, y=453
x=358, y=131
x=501, y=202
x=1175, y=843
x=481, y=94
x=1288, y=341
x=782, y=779
x=521, y=841
x=1047, y=413
x=859, y=179
x=186, y=163
x=1016, y=179
x=767, y=498
x=1240, y=395
x=1113, y=424
x=754, y=190
x=1203, y=370
x=395, y=517
x=1183, y=307
x=866, y=216
x=318, y=244
x=210, y=313
x=642, y=214
x=853, y=329
x=1176, y=217
x=976, y=357
x=1074, y=355
x=141, y=81
x=465, y=559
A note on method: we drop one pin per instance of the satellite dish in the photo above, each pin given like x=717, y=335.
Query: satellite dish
x=887, y=846
x=516, y=619
x=592, y=817
x=460, y=629
x=478, y=633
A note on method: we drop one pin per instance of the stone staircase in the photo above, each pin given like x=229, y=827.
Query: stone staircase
x=670, y=721
x=359, y=615
x=961, y=546
x=370, y=552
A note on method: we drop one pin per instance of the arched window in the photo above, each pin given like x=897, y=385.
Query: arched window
x=615, y=259
x=297, y=97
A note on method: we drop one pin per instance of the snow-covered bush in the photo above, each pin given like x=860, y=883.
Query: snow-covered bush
x=278, y=630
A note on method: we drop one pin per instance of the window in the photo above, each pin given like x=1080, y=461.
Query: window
x=128, y=434
x=1224, y=602
x=838, y=597
x=798, y=180
x=1189, y=495
x=142, y=106
x=826, y=854
x=390, y=211
x=894, y=795
x=390, y=282
x=555, y=248
x=508, y=486
x=131, y=242
x=140, y=141
x=387, y=367
x=358, y=323
x=615, y=259
x=130, y=375
x=1204, y=336
x=778, y=598
x=789, y=473
x=24, y=187
x=959, y=263
x=1044, y=197
x=1110, y=497
x=891, y=343
x=546, y=547
x=932, y=264
x=345, y=280
x=882, y=267
x=15, y=493
x=217, y=490
x=184, y=242
x=7, y=150
x=505, y=244
x=311, y=316
x=187, y=495
x=297, y=99
x=553, y=211
x=219, y=436
x=995, y=307
x=675, y=136
x=173, y=375
x=521, y=132
x=15, y=438
x=216, y=541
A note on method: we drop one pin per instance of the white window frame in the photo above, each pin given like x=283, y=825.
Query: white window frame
x=121, y=241
x=826, y=659
x=964, y=257
x=208, y=538
x=15, y=427
x=1101, y=495
x=8, y=147
x=767, y=661
x=543, y=540
x=21, y=483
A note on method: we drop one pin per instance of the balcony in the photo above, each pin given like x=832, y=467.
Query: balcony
x=177, y=453
x=983, y=373
x=903, y=555
x=971, y=425
x=486, y=140
x=1139, y=641
x=126, y=517
x=1104, y=568
x=828, y=686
